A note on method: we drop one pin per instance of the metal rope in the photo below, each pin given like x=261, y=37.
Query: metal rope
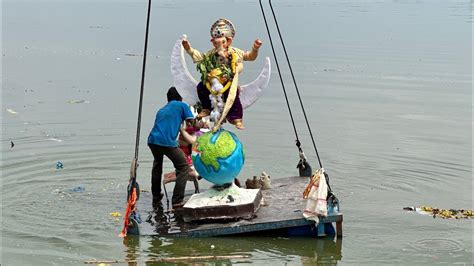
x=137, y=141
x=298, y=143
x=131, y=217
x=294, y=82
x=134, y=166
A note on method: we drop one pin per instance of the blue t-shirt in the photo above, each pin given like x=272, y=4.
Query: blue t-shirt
x=168, y=122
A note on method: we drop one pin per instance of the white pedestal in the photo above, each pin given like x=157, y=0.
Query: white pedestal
x=232, y=202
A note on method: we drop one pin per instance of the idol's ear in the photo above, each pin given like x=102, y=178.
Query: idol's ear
x=229, y=41
x=183, y=81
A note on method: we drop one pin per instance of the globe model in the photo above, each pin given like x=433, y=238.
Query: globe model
x=218, y=157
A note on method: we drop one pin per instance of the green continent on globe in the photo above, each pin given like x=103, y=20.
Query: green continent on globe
x=210, y=152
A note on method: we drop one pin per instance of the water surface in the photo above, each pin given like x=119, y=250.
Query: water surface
x=387, y=86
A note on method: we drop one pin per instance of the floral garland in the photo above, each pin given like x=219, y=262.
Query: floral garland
x=211, y=65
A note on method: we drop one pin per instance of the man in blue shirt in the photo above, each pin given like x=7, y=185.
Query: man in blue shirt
x=163, y=141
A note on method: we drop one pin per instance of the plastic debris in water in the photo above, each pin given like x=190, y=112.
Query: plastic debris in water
x=11, y=111
x=78, y=101
x=59, y=165
x=115, y=214
x=137, y=217
x=78, y=189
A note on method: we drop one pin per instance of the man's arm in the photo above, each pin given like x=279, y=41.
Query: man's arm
x=187, y=137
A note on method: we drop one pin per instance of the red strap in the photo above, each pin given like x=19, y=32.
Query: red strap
x=131, y=207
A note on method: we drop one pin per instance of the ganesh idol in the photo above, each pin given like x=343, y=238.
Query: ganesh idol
x=219, y=68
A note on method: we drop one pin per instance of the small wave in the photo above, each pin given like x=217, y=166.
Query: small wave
x=55, y=139
x=437, y=245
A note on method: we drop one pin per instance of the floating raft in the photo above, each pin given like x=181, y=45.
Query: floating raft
x=280, y=214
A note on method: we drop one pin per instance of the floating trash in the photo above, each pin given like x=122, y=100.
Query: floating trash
x=11, y=111
x=61, y=193
x=130, y=54
x=78, y=101
x=78, y=189
x=442, y=213
x=59, y=165
x=12, y=144
x=115, y=214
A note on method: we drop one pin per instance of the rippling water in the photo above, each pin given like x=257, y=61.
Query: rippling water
x=387, y=87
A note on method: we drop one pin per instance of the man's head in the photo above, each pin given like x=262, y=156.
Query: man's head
x=173, y=95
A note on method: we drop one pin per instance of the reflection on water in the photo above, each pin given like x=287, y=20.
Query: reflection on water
x=132, y=249
x=165, y=222
x=263, y=250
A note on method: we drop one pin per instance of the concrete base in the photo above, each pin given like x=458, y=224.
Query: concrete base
x=232, y=202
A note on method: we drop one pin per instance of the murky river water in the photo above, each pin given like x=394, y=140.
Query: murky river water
x=387, y=87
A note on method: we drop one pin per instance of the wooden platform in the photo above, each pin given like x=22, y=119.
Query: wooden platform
x=281, y=213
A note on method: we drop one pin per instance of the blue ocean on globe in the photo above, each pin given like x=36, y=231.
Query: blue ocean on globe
x=218, y=157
